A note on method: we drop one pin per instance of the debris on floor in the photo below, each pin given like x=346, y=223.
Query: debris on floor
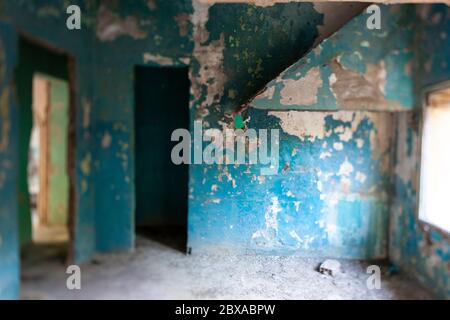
x=330, y=267
x=156, y=270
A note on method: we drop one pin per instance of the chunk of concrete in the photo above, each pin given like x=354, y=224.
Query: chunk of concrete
x=330, y=267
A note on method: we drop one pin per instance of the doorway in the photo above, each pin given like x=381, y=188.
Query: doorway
x=162, y=105
x=47, y=175
x=45, y=150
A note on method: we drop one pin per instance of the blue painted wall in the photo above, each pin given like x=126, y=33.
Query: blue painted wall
x=9, y=237
x=229, y=59
x=155, y=35
x=331, y=193
x=420, y=251
x=433, y=42
x=45, y=22
x=408, y=54
x=356, y=68
x=329, y=197
x=30, y=17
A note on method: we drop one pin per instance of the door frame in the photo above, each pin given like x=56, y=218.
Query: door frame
x=71, y=135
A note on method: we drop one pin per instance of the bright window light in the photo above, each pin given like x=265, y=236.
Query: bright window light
x=434, y=207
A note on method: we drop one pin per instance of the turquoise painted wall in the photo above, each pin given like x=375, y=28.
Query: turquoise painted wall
x=330, y=195
x=422, y=252
x=354, y=69
x=154, y=33
x=395, y=65
x=9, y=229
x=434, y=44
x=46, y=22
x=229, y=59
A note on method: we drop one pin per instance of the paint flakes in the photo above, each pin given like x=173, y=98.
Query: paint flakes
x=346, y=168
x=302, y=124
x=357, y=91
x=376, y=74
x=361, y=177
x=294, y=235
x=267, y=235
x=211, y=76
x=319, y=186
x=338, y=146
x=85, y=164
x=302, y=91
x=297, y=205
x=267, y=93
x=106, y=140
x=324, y=155
x=365, y=44
x=110, y=26
x=158, y=59
x=359, y=142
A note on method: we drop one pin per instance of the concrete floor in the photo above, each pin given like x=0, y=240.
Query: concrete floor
x=158, y=271
x=46, y=234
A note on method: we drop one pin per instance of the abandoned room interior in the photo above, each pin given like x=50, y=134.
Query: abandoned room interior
x=112, y=157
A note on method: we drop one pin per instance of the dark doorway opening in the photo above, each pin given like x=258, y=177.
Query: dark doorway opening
x=43, y=80
x=162, y=106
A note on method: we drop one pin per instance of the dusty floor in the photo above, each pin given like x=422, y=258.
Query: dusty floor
x=158, y=271
x=42, y=234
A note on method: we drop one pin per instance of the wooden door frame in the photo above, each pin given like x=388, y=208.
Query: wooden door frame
x=40, y=120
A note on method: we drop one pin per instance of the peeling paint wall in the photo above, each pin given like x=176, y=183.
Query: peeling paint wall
x=45, y=22
x=161, y=42
x=329, y=198
x=389, y=72
x=434, y=44
x=228, y=48
x=421, y=251
x=354, y=69
x=9, y=237
x=230, y=51
x=332, y=193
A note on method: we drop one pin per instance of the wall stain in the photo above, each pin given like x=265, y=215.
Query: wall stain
x=110, y=26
